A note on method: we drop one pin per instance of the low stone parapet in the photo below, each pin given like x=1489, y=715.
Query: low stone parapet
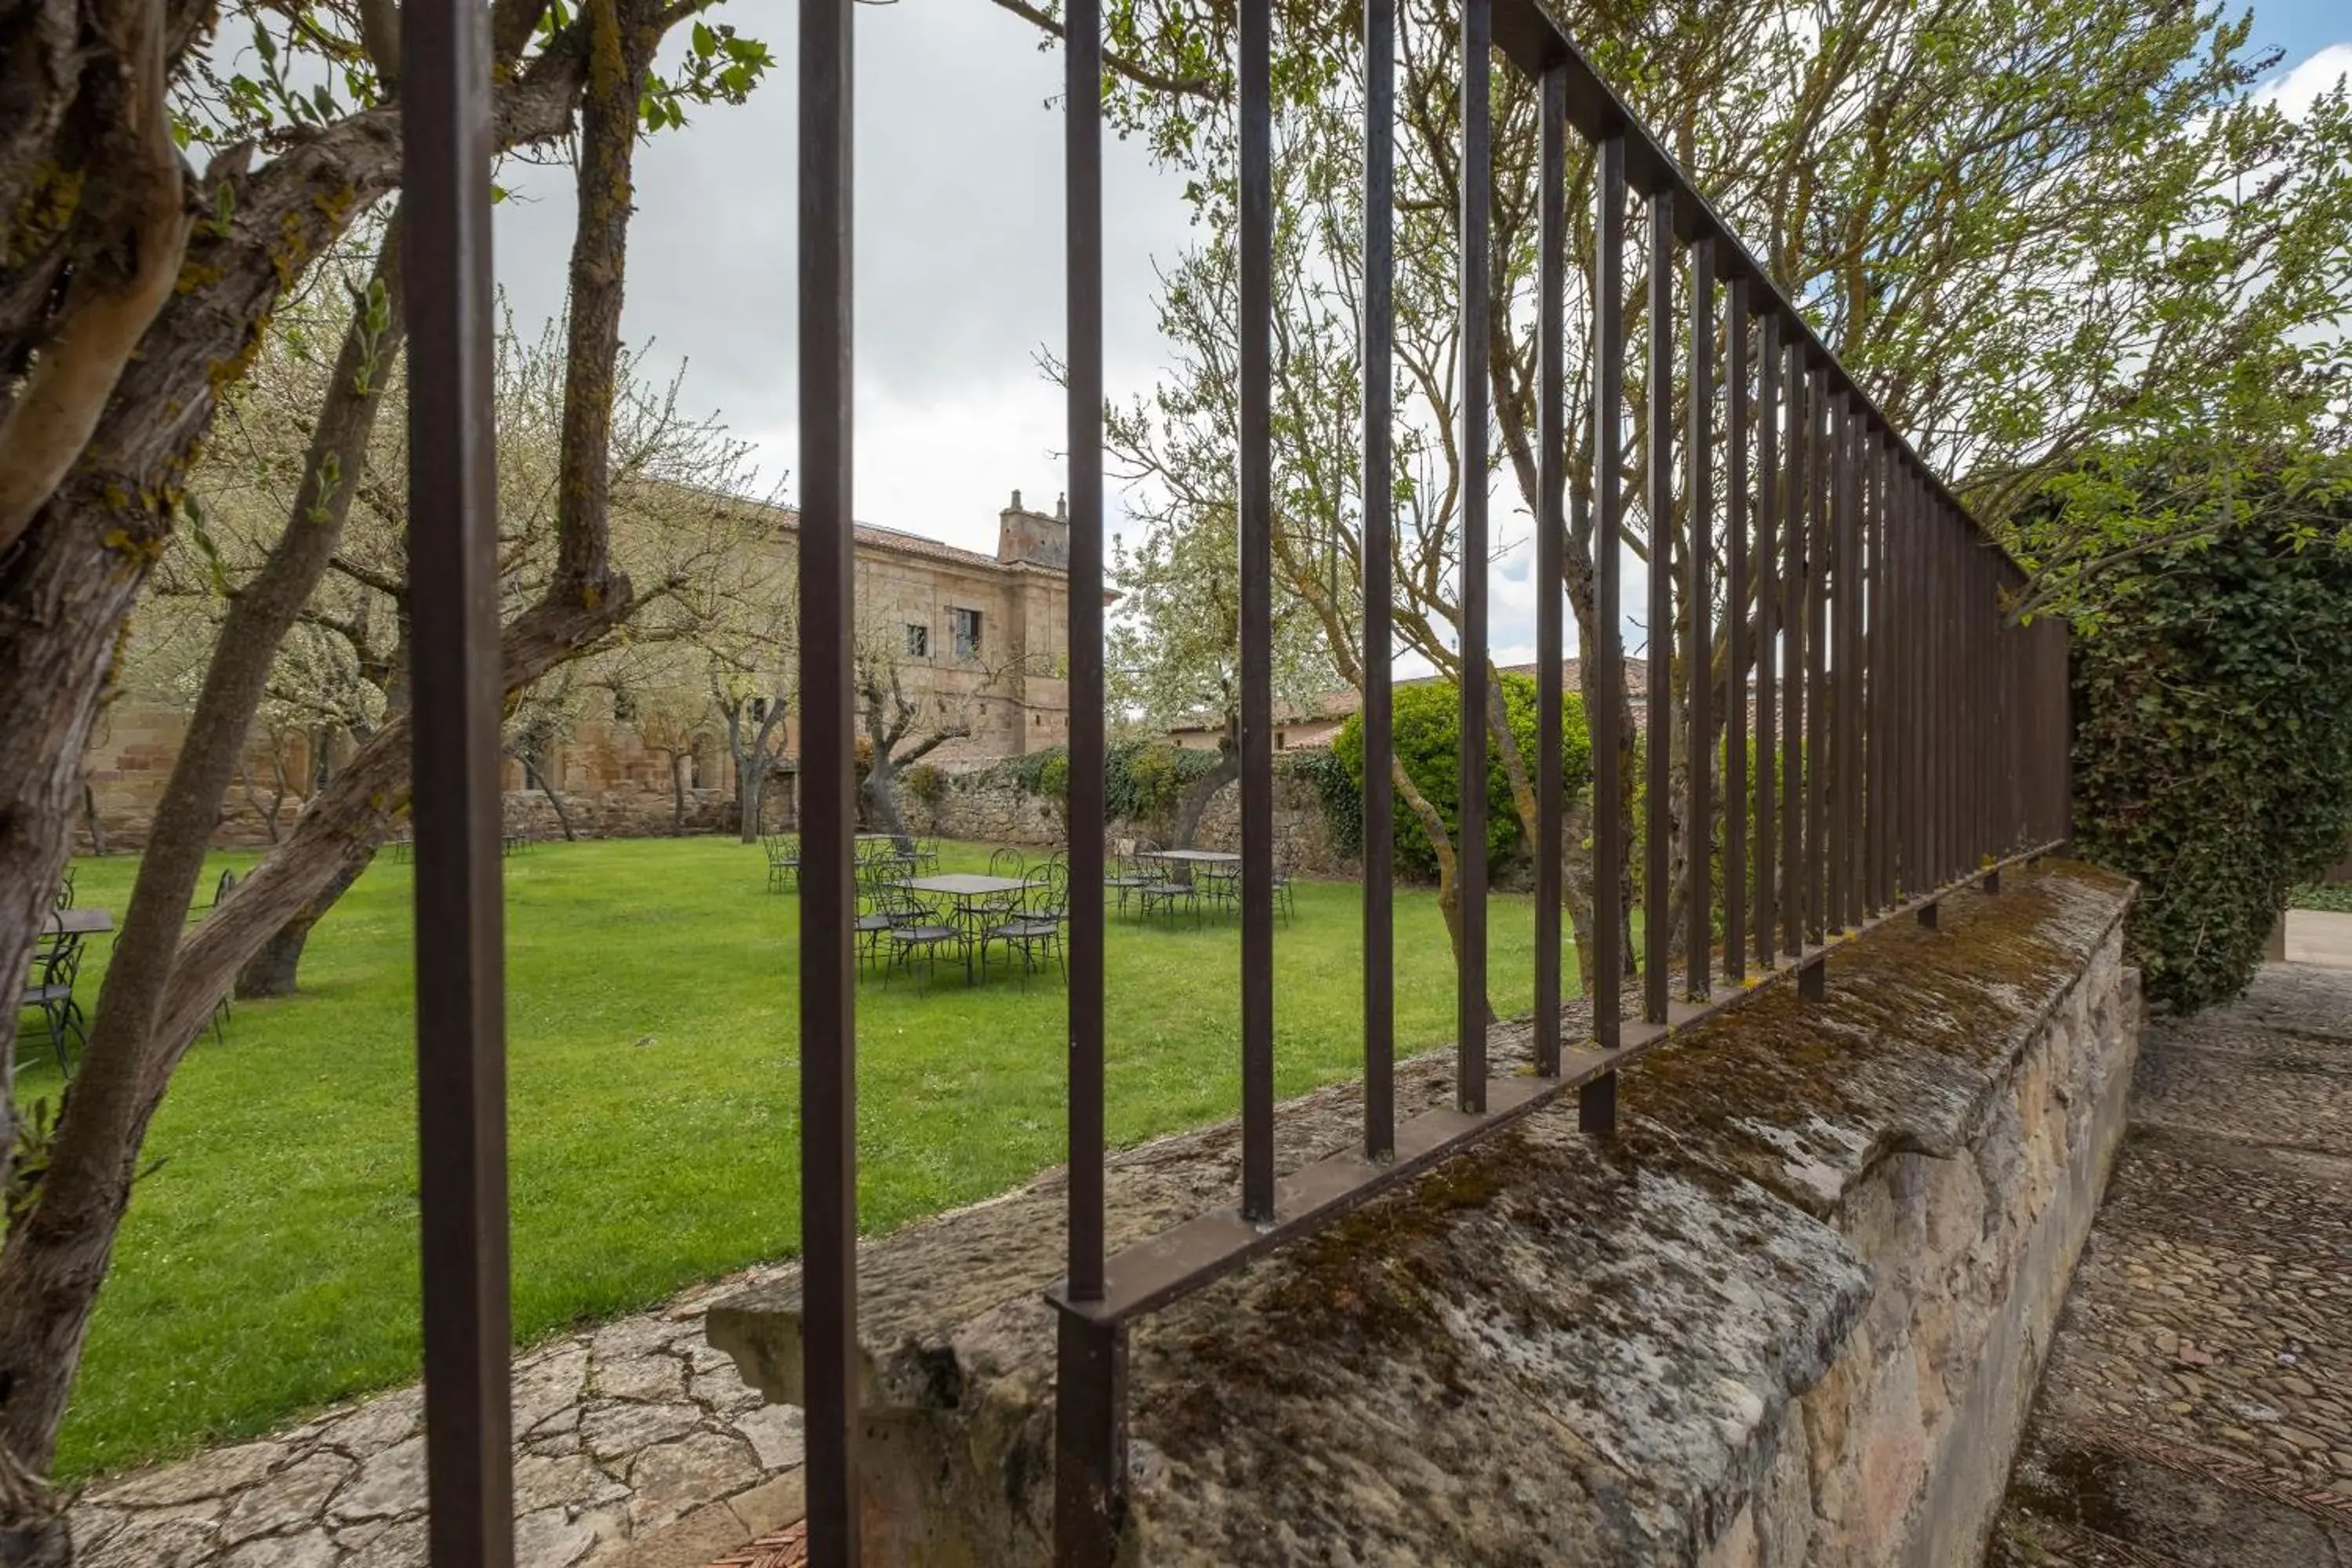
x=1793, y=1314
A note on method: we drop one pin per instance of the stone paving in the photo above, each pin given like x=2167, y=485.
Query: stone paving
x=2197, y=1408
x=638, y=1447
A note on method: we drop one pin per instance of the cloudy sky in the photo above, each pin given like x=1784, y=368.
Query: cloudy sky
x=959, y=260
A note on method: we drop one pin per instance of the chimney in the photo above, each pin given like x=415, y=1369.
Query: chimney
x=1033, y=538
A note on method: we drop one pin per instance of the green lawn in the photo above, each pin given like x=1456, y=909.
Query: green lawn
x=268, y=1265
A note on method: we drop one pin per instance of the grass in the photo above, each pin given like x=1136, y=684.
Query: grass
x=267, y=1264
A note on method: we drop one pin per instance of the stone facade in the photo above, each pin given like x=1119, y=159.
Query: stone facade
x=1791, y=1315
x=1012, y=686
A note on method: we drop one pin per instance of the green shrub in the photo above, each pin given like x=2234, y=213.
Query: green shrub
x=1428, y=729
x=1145, y=781
x=927, y=783
x=2213, y=749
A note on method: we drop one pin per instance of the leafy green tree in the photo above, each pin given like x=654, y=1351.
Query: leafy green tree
x=2035, y=233
x=134, y=294
x=1174, y=642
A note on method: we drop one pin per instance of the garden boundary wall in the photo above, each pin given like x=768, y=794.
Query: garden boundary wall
x=1793, y=1314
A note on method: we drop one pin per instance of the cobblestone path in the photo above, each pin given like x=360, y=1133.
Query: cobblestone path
x=2197, y=1409
x=638, y=1447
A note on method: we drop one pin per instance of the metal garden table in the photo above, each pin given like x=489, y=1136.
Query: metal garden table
x=967, y=888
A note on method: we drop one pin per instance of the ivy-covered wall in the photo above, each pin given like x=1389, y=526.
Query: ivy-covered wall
x=2214, y=749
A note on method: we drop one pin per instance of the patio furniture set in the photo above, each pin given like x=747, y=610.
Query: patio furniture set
x=1020, y=907
x=1173, y=883
x=908, y=910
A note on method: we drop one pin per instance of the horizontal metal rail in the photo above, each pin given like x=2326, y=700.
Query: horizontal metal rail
x=1162, y=1270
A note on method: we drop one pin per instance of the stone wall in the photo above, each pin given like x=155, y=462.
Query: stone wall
x=1791, y=1315
x=987, y=803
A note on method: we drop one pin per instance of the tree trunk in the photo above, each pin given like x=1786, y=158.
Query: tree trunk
x=57, y=1252
x=92, y=822
x=1449, y=888
x=273, y=971
x=1200, y=793
x=554, y=801
x=879, y=791
x=1576, y=880
x=68, y=585
x=750, y=797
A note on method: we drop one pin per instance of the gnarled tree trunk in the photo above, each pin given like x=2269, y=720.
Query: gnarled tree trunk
x=275, y=970
x=1203, y=790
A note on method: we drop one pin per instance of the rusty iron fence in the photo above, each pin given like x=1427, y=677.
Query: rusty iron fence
x=1888, y=734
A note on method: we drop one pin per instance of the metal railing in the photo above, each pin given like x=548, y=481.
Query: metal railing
x=1890, y=735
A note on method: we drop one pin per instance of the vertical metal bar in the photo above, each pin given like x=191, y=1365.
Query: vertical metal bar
x=1090, y=1440
x=1737, y=592
x=1768, y=636
x=1902, y=625
x=1698, y=453
x=1083, y=230
x=458, y=682
x=1950, y=590
x=1819, y=460
x=1845, y=677
x=1380, y=500
x=1597, y=1103
x=1874, y=663
x=1256, y=540
x=1551, y=526
x=1868, y=673
x=1477, y=193
x=1938, y=596
x=1854, y=676
x=829, y=1351
x=1657, y=930
x=1795, y=600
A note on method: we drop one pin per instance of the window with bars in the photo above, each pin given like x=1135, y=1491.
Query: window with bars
x=965, y=627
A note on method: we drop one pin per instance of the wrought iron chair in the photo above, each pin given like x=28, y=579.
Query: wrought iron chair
x=65, y=894
x=784, y=852
x=880, y=861
x=1125, y=873
x=1166, y=893
x=1283, y=898
x=927, y=854
x=917, y=929
x=1036, y=929
x=52, y=991
x=870, y=921
x=1220, y=887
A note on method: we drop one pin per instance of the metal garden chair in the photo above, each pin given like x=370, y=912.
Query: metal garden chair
x=784, y=852
x=52, y=991
x=1036, y=929
x=916, y=929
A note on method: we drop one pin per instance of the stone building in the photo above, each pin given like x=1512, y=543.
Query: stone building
x=980, y=639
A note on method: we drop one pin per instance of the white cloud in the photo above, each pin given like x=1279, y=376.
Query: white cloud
x=958, y=259
x=2296, y=90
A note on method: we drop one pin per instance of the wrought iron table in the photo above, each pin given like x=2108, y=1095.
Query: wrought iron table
x=967, y=888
